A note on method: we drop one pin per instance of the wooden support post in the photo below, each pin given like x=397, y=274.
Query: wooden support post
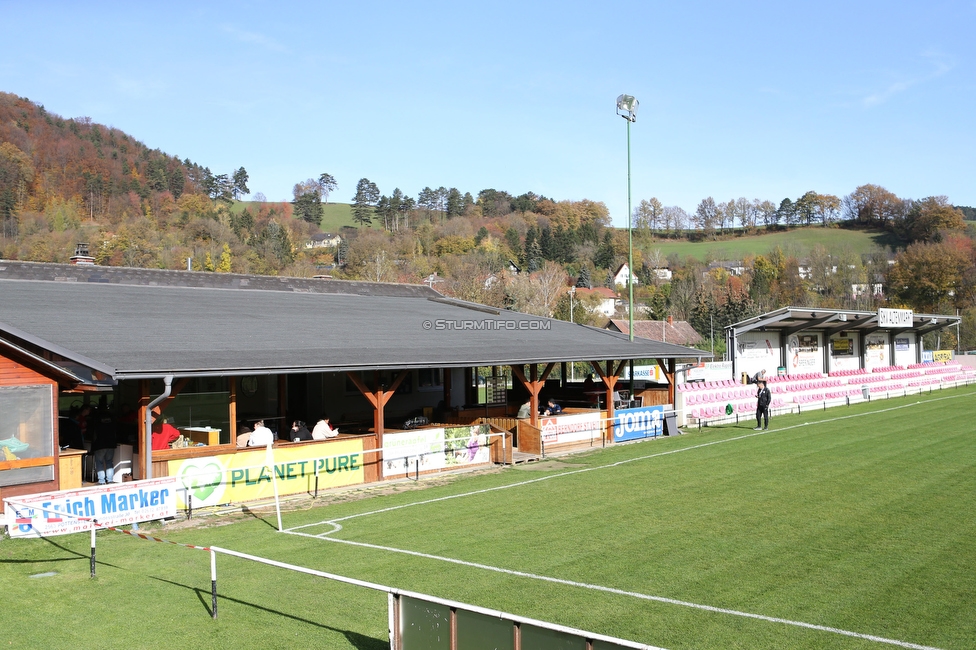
x=534, y=385
x=668, y=366
x=378, y=397
x=232, y=408
x=609, y=378
x=144, y=438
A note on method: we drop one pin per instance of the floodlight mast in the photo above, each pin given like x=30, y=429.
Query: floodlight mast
x=627, y=109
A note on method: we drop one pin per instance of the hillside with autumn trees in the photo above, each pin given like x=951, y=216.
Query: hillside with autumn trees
x=64, y=181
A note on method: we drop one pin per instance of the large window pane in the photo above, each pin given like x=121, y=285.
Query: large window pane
x=26, y=431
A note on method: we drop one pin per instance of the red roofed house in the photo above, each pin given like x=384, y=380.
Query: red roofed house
x=605, y=300
x=669, y=331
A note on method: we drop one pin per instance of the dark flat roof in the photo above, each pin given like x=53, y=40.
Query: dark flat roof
x=795, y=319
x=139, y=323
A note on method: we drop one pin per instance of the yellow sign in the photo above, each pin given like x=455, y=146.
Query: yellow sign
x=245, y=476
x=942, y=355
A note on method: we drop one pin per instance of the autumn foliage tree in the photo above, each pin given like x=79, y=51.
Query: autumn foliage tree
x=929, y=276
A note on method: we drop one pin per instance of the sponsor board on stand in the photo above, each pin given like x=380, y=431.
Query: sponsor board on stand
x=710, y=371
x=573, y=427
x=245, y=476
x=895, y=318
x=434, y=449
x=69, y=511
x=638, y=423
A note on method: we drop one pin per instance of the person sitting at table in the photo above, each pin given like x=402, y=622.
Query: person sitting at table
x=299, y=432
x=262, y=436
x=323, y=429
x=163, y=433
x=525, y=410
x=243, y=436
x=553, y=408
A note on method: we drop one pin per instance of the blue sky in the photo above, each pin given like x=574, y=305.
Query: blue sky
x=757, y=99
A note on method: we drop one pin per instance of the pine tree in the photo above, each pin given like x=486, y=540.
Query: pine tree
x=533, y=254
x=583, y=281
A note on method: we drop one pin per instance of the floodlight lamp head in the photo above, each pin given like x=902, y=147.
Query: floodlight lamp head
x=627, y=107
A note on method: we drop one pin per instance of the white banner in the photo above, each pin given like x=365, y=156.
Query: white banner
x=710, y=371
x=434, y=449
x=66, y=511
x=644, y=373
x=895, y=317
x=571, y=428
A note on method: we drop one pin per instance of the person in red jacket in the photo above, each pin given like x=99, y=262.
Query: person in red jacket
x=163, y=433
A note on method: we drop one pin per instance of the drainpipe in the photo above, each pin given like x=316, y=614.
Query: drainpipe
x=168, y=387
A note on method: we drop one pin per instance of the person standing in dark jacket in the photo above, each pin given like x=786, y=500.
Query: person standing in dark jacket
x=763, y=398
x=103, y=447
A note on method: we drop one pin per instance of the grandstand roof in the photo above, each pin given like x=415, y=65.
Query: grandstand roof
x=795, y=319
x=140, y=323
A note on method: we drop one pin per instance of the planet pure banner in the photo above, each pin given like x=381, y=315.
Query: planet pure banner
x=244, y=475
x=638, y=423
x=68, y=511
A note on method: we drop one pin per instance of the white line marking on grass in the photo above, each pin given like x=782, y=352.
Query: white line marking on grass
x=336, y=527
x=620, y=462
x=619, y=592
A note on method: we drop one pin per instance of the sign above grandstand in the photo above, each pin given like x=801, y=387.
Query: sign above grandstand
x=895, y=317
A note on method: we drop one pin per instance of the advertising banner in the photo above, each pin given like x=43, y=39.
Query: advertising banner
x=570, y=428
x=841, y=347
x=709, y=371
x=57, y=513
x=244, y=476
x=897, y=318
x=876, y=352
x=803, y=353
x=644, y=373
x=942, y=355
x=434, y=449
x=638, y=423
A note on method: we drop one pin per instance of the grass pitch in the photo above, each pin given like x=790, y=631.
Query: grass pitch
x=849, y=528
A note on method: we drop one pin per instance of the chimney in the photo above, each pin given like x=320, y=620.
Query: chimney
x=670, y=320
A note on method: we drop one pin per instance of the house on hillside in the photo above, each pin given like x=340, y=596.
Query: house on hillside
x=604, y=299
x=323, y=240
x=670, y=331
x=730, y=267
x=622, y=276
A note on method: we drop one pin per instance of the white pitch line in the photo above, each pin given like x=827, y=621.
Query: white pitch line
x=619, y=592
x=336, y=527
x=618, y=463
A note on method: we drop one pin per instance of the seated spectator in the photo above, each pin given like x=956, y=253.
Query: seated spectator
x=525, y=410
x=262, y=436
x=323, y=429
x=299, y=432
x=553, y=408
x=243, y=436
x=163, y=433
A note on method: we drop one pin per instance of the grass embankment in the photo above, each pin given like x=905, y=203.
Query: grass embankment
x=796, y=241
